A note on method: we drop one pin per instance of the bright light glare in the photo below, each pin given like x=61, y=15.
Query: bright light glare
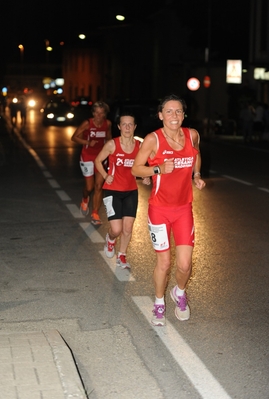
x=82, y=36
x=50, y=116
x=32, y=103
x=70, y=115
x=15, y=100
x=120, y=17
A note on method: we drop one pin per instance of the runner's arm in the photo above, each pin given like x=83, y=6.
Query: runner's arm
x=107, y=149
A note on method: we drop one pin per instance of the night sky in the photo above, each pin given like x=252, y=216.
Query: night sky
x=31, y=23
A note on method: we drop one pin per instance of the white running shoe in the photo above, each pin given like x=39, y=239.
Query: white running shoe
x=121, y=262
x=109, y=247
x=182, y=310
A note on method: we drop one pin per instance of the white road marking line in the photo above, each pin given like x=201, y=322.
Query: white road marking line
x=238, y=180
x=74, y=210
x=263, y=189
x=54, y=183
x=121, y=274
x=35, y=156
x=63, y=195
x=47, y=174
x=203, y=381
x=92, y=233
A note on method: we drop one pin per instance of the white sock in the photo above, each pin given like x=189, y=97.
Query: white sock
x=179, y=291
x=121, y=253
x=159, y=301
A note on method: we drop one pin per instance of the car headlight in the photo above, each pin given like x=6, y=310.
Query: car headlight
x=32, y=103
x=70, y=115
x=50, y=116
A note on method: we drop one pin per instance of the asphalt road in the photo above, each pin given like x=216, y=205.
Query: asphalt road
x=54, y=274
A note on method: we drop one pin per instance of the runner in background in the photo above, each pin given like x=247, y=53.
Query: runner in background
x=120, y=187
x=92, y=134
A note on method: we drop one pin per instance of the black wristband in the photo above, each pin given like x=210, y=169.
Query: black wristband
x=157, y=170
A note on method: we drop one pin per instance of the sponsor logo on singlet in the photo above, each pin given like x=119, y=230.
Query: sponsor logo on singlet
x=183, y=162
x=168, y=152
x=127, y=163
x=101, y=134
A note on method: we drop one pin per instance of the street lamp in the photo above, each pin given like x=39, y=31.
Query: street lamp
x=48, y=47
x=120, y=17
x=21, y=47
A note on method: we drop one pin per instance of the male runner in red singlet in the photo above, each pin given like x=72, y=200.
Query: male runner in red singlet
x=120, y=187
x=92, y=134
x=173, y=157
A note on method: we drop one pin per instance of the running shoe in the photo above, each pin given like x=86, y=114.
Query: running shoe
x=109, y=247
x=121, y=262
x=84, y=207
x=182, y=310
x=95, y=218
x=158, y=318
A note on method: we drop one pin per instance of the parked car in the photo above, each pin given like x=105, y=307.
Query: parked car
x=82, y=109
x=58, y=112
x=145, y=112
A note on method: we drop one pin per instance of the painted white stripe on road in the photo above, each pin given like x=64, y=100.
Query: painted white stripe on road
x=47, y=174
x=203, y=381
x=54, y=183
x=263, y=189
x=63, y=195
x=238, y=180
x=36, y=157
x=121, y=274
x=92, y=233
x=74, y=210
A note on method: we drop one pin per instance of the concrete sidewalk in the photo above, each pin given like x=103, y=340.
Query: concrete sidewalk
x=37, y=365
x=34, y=365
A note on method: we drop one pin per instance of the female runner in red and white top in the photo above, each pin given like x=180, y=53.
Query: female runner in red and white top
x=171, y=156
x=92, y=134
x=120, y=187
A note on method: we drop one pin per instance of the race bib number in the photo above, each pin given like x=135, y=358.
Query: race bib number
x=87, y=168
x=159, y=237
x=108, y=206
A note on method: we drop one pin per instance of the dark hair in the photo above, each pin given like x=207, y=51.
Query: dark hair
x=126, y=113
x=172, y=97
x=100, y=104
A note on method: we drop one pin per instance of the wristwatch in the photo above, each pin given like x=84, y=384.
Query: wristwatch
x=157, y=170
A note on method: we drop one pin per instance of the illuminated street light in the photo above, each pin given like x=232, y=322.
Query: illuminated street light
x=82, y=36
x=120, y=17
x=21, y=47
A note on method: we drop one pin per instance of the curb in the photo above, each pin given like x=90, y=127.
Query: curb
x=65, y=364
